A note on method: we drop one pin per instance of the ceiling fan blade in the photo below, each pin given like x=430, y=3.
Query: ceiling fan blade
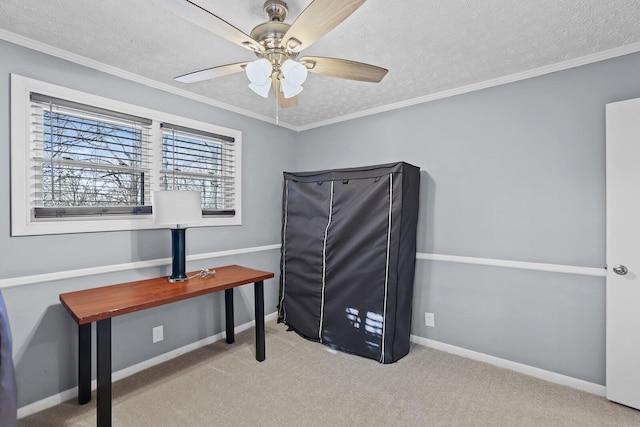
x=212, y=73
x=282, y=101
x=198, y=15
x=344, y=69
x=320, y=17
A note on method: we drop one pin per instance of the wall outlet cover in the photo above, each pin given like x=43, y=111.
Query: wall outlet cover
x=158, y=334
x=429, y=320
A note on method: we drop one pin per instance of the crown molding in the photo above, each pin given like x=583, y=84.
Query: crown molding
x=118, y=72
x=97, y=65
x=559, y=66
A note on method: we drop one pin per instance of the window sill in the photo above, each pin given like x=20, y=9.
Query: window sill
x=92, y=225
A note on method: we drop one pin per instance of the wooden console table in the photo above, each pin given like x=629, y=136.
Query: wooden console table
x=101, y=304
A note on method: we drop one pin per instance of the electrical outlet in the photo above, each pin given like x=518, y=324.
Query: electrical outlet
x=429, y=319
x=158, y=334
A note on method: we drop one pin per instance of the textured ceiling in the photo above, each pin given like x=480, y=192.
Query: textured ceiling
x=429, y=46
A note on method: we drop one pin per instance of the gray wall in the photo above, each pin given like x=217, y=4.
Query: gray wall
x=514, y=172
x=44, y=334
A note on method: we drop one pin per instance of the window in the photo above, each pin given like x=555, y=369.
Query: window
x=88, y=161
x=85, y=163
x=196, y=160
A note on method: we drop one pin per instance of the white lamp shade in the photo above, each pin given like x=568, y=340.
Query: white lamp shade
x=262, y=90
x=294, y=72
x=259, y=71
x=288, y=90
x=177, y=207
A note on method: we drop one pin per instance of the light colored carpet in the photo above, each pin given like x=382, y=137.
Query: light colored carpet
x=302, y=383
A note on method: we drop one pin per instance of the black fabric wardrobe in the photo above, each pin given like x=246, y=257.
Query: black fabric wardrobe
x=348, y=257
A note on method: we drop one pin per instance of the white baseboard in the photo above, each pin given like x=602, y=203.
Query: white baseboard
x=553, y=377
x=59, y=398
x=542, y=374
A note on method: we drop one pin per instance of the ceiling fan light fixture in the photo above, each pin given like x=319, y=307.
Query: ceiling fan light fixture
x=288, y=89
x=259, y=71
x=262, y=90
x=294, y=72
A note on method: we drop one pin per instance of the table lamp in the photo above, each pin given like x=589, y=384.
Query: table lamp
x=178, y=208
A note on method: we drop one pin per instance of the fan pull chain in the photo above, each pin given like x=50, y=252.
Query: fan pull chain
x=277, y=109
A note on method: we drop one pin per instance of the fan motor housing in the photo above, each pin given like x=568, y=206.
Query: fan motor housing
x=276, y=10
x=269, y=35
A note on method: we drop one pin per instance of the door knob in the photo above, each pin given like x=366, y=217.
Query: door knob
x=620, y=269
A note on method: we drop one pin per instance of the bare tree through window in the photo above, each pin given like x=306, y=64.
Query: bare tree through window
x=91, y=161
x=195, y=162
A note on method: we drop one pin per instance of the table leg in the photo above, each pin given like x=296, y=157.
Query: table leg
x=228, y=310
x=258, y=291
x=84, y=363
x=103, y=350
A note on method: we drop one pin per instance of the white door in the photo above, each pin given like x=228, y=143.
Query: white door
x=623, y=252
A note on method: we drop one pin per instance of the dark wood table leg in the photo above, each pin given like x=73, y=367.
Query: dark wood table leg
x=229, y=319
x=103, y=350
x=84, y=363
x=258, y=290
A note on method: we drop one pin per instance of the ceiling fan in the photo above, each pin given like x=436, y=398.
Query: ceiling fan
x=277, y=46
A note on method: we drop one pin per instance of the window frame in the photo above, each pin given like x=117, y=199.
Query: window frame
x=171, y=136
x=22, y=221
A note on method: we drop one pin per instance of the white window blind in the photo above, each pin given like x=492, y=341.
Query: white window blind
x=202, y=161
x=87, y=161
